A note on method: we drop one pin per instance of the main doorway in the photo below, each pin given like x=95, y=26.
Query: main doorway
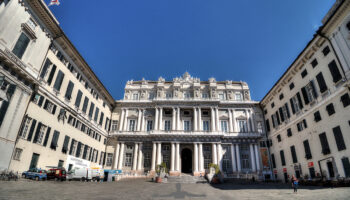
x=186, y=161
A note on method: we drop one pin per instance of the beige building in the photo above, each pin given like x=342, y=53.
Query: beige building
x=187, y=124
x=307, y=111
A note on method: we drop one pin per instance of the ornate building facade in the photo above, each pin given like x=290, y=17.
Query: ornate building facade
x=187, y=124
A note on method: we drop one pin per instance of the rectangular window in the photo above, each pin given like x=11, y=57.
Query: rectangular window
x=69, y=90
x=273, y=160
x=304, y=73
x=221, y=96
x=59, y=80
x=205, y=95
x=187, y=95
x=333, y=68
x=339, y=138
x=65, y=144
x=314, y=63
x=96, y=114
x=301, y=125
x=346, y=166
x=135, y=96
x=279, y=139
x=224, y=126
x=40, y=135
x=187, y=125
x=25, y=128
x=321, y=82
x=294, y=154
x=78, y=99
x=243, y=126
x=283, y=161
x=114, y=125
x=52, y=74
x=131, y=125
x=54, y=140
x=167, y=125
x=149, y=125
x=206, y=126
x=291, y=86
x=281, y=96
x=238, y=97
x=50, y=107
x=267, y=122
x=307, y=149
x=91, y=110
x=109, y=159
x=345, y=99
x=85, y=105
x=317, y=116
x=128, y=160
x=168, y=95
x=21, y=45
x=330, y=109
x=295, y=104
x=17, y=154
x=289, y=132
x=45, y=68
x=324, y=144
x=101, y=118
x=326, y=50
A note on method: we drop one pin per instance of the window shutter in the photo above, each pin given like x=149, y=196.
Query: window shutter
x=65, y=144
x=313, y=89
x=46, y=66
x=278, y=118
x=30, y=134
x=54, y=140
x=307, y=149
x=294, y=154
x=287, y=109
x=85, y=151
x=78, y=149
x=86, y=102
x=273, y=121
x=292, y=105
x=283, y=161
x=96, y=114
x=52, y=73
x=281, y=114
x=321, y=82
x=92, y=106
x=71, y=147
x=267, y=125
x=96, y=156
x=54, y=109
x=273, y=161
x=305, y=124
x=306, y=99
x=47, y=136
x=59, y=80
x=3, y=111
x=78, y=99
x=90, y=154
x=101, y=118
x=37, y=132
x=300, y=101
x=69, y=90
x=334, y=71
x=324, y=144
x=346, y=165
x=11, y=90
x=339, y=138
x=41, y=100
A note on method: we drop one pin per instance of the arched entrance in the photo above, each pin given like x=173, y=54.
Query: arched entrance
x=186, y=161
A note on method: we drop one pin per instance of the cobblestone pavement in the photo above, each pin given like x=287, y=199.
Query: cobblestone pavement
x=144, y=189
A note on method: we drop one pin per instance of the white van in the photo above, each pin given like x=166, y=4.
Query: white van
x=85, y=174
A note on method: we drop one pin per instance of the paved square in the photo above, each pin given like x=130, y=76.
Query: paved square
x=144, y=189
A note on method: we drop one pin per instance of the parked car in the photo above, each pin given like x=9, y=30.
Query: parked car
x=57, y=173
x=35, y=173
x=85, y=174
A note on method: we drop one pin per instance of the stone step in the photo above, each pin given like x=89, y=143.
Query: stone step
x=186, y=179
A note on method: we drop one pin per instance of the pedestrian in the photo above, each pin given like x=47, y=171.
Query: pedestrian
x=295, y=184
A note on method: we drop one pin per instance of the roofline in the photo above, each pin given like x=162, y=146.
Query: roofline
x=319, y=30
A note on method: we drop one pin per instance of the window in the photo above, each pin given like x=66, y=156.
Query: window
x=206, y=126
x=304, y=73
x=281, y=96
x=17, y=154
x=187, y=125
x=109, y=159
x=131, y=125
x=283, y=161
x=259, y=127
x=60, y=163
x=168, y=95
x=128, y=160
x=279, y=139
x=59, y=80
x=334, y=71
x=309, y=92
x=86, y=102
x=272, y=105
x=289, y=132
x=321, y=82
x=151, y=96
x=40, y=135
x=294, y=154
x=96, y=114
x=273, y=160
x=324, y=144
x=291, y=86
x=330, y=109
x=149, y=125
x=69, y=90
x=54, y=140
x=91, y=111
x=101, y=119
x=207, y=156
x=221, y=96
x=238, y=97
x=45, y=68
x=135, y=96
x=325, y=51
x=167, y=125
x=187, y=95
x=243, y=126
x=65, y=144
x=346, y=165
x=274, y=120
x=50, y=107
x=224, y=126
x=25, y=128
x=302, y=125
x=267, y=122
x=317, y=116
x=21, y=45
x=205, y=95
x=245, y=157
x=314, y=63
x=339, y=138
x=294, y=102
x=307, y=149
x=226, y=159
x=114, y=125
x=78, y=99
x=345, y=99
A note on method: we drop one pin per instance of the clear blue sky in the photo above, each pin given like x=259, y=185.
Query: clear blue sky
x=253, y=41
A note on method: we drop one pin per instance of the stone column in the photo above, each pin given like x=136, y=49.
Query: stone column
x=200, y=128
x=218, y=128
x=143, y=126
x=116, y=156
x=121, y=156
x=234, y=123
x=139, y=120
x=172, y=161
x=126, y=120
x=233, y=157
x=238, y=156
x=257, y=157
x=154, y=154
x=201, y=159
x=159, y=153
x=214, y=153
x=252, y=157
x=195, y=119
x=174, y=120
x=156, y=120
x=121, y=121
x=177, y=157
x=134, y=163
x=160, y=119
x=178, y=119
x=253, y=121
x=219, y=150
x=230, y=120
x=139, y=162
x=212, y=119
x=195, y=157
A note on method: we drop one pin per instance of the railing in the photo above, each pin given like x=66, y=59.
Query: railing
x=189, y=133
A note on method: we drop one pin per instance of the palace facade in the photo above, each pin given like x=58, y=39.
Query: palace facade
x=188, y=124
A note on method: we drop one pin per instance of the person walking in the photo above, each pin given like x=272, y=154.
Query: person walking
x=295, y=184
